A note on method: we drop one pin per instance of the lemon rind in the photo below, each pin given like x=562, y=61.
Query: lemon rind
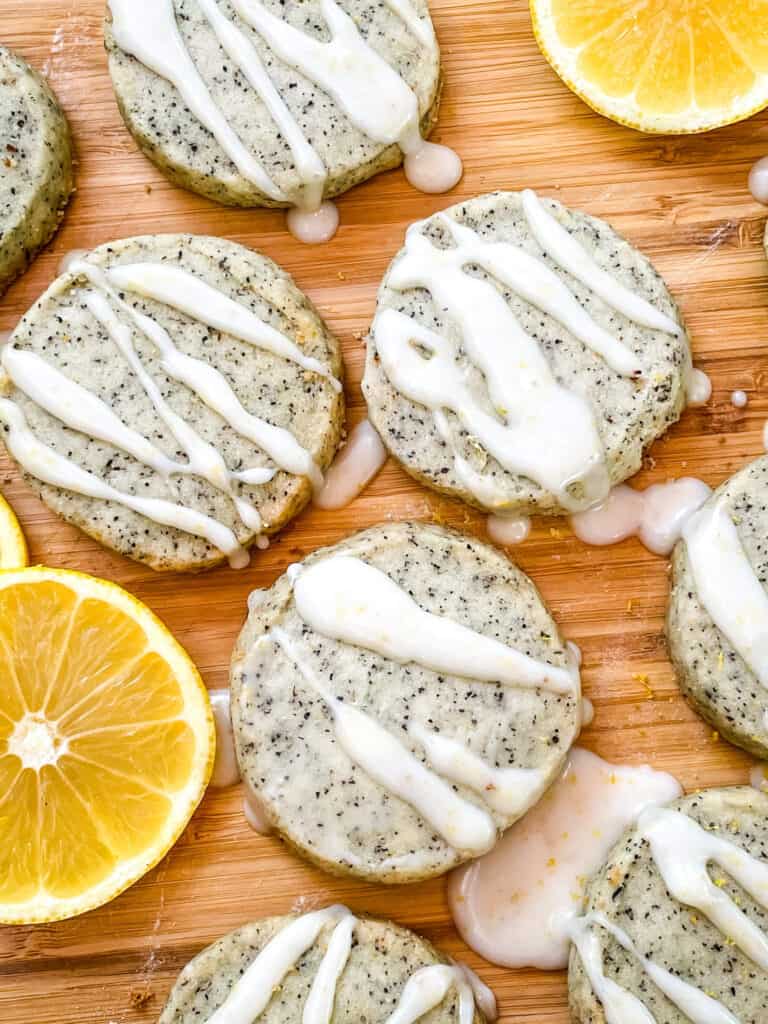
x=13, y=545
x=625, y=110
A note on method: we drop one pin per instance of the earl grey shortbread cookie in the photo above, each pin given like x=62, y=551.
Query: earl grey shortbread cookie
x=175, y=396
x=37, y=178
x=255, y=103
x=399, y=699
x=717, y=616
x=523, y=355
x=677, y=917
x=325, y=966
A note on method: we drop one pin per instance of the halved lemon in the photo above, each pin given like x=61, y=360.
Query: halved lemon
x=13, y=547
x=660, y=65
x=106, y=742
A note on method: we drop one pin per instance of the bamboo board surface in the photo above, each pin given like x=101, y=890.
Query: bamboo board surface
x=682, y=200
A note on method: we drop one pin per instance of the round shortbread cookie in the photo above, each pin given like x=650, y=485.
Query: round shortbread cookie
x=280, y=121
x=705, y=845
x=191, y=378
x=495, y=374
x=37, y=178
x=382, y=958
x=394, y=762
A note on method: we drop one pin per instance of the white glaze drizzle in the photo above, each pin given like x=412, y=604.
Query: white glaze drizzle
x=541, y=430
x=226, y=771
x=727, y=585
x=356, y=464
x=427, y=988
x=464, y=825
x=205, y=380
x=347, y=599
x=485, y=1000
x=699, y=1007
x=204, y=459
x=512, y=905
x=552, y=439
x=79, y=409
x=253, y=992
x=319, y=1005
x=48, y=466
x=509, y=791
x=657, y=515
x=529, y=277
x=189, y=294
x=241, y=50
x=373, y=96
x=147, y=30
x=420, y=28
x=587, y=712
x=621, y=1006
x=682, y=850
x=564, y=249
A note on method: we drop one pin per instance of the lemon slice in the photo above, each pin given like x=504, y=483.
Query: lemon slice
x=106, y=742
x=660, y=65
x=13, y=547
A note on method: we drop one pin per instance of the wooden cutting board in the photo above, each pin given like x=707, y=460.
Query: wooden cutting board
x=683, y=201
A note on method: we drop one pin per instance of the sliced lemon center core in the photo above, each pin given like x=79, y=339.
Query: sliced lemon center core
x=36, y=741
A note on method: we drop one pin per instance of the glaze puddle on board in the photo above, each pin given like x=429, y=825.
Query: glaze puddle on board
x=739, y=399
x=253, y=809
x=698, y=388
x=657, y=516
x=313, y=226
x=508, y=530
x=758, y=181
x=513, y=904
x=356, y=464
x=758, y=777
x=433, y=168
x=225, y=768
x=69, y=258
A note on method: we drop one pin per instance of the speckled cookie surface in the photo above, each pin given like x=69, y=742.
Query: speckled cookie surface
x=173, y=138
x=628, y=415
x=61, y=329
x=314, y=795
x=713, y=676
x=36, y=177
x=630, y=891
x=383, y=958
